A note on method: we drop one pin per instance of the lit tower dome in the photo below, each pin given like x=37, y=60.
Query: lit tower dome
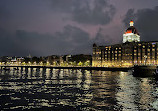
x=131, y=34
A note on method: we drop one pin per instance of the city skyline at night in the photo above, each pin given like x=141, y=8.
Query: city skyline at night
x=57, y=27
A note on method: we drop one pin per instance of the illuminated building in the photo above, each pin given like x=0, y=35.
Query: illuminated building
x=131, y=52
x=131, y=34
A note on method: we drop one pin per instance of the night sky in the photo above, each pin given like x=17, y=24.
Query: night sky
x=58, y=27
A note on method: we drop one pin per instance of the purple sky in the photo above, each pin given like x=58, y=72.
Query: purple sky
x=58, y=27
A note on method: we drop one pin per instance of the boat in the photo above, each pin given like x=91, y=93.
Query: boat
x=156, y=73
x=144, y=71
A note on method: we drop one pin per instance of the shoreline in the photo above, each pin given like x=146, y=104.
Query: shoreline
x=83, y=68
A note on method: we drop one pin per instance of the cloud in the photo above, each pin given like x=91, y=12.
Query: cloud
x=145, y=22
x=86, y=11
x=19, y=38
x=7, y=45
x=63, y=6
x=4, y=16
x=72, y=40
x=4, y=12
x=102, y=39
x=130, y=15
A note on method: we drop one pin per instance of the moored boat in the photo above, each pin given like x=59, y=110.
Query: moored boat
x=144, y=71
x=156, y=73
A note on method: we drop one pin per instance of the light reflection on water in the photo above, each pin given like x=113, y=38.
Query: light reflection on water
x=63, y=89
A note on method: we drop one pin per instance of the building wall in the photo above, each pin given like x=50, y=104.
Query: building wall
x=130, y=37
x=125, y=55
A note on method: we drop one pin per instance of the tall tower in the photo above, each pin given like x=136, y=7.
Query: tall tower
x=131, y=34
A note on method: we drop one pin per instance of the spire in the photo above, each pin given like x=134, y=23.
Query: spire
x=131, y=23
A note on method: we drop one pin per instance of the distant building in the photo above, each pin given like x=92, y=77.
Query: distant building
x=68, y=58
x=29, y=56
x=20, y=59
x=17, y=59
x=130, y=52
x=54, y=60
x=61, y=61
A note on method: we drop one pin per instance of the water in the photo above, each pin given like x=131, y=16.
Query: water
x=76, y=90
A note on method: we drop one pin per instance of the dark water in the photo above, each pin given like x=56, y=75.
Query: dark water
x=71, y=90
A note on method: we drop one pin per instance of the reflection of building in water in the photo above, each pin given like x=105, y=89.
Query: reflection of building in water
x=104, y=86
x=146, y=95
x=130, y=52
x=134, y=94
x=127, y=92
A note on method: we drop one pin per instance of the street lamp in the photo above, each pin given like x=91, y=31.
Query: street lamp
x=29, y=63
x=34, y=63
x=41, y=63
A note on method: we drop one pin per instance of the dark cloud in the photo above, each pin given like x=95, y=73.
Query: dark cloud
x=71, y=40
x=145, y=22
x=7, y=43
x=63, y=6
x=101, y=39
x=130, y=15
x=86, y=11
x=5, y=15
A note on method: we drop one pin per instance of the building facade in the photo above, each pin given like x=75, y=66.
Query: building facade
x=129, y=53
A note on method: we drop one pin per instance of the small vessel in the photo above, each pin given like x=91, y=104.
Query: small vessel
x=156, y=72
x=143, y=71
